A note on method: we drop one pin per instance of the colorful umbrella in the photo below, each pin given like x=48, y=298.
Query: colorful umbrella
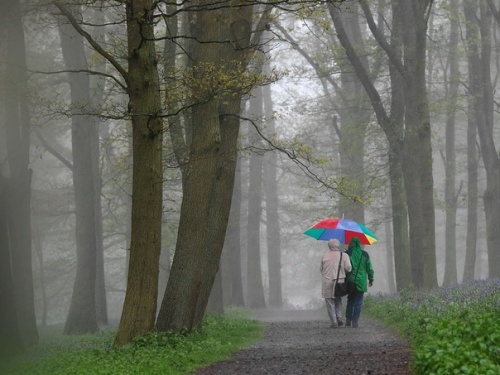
x=342, y=229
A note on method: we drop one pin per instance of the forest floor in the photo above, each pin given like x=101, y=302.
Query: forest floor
x=302, y=342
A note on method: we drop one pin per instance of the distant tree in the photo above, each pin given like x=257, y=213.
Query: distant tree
x=233, y=244
x=480, y=14
x=270, y=188
x=451, y=197
x=17, y=314
x=82, y=312
x=414, y=149
x=473, y=117
x=255, y=288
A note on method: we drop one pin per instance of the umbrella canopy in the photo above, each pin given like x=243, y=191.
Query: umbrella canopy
x=342, y=229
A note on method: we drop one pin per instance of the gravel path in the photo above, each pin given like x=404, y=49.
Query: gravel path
x=301, y=342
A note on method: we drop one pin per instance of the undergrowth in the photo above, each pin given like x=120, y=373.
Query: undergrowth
x=155, y=353
x=452, y=330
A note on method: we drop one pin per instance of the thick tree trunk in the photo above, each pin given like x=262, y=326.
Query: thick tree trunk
x=237, y=28
x=10, y=336
x=479, y=53
x=139, y=310
x=180, y=303
x=181, y=296
x=17, y=140
x=220, y=203
x=212, y=163
x=417, y=159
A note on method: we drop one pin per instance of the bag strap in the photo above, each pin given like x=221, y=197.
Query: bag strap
x=338, y=270
x=357, y=268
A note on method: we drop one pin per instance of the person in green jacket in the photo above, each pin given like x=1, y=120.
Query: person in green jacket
x=361, y=275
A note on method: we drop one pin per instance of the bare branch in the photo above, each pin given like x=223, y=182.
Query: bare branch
x=380, y=38
x=97, y=47
x=91, y=72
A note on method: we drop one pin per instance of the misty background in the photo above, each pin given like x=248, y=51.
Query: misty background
x=311, y=146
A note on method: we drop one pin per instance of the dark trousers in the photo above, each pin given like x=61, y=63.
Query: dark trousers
x=354, y=304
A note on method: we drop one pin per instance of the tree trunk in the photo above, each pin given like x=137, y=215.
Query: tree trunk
x=450, y=271
x=273, y=234
x=474, y=117
x=233, y=243
x=389, y=252
x=180, y=302
x=417, y=149
x=10, y=336
x=255, y=288
x=82, y=313
x=472, y=189
x=97, y=85
x=491, y=158
x=236, y=27
x=220, y=203
x=139, y=309
x=17, y=139
x=353, y=120
x=215, y=303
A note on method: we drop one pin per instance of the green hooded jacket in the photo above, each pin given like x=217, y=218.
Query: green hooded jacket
x=362, y=269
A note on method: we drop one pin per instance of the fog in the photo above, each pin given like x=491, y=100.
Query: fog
x=316, y=174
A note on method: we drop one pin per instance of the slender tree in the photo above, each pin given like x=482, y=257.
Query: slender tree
x=82, y=312
x=273, y=227
x=489, y=151
x=255, y=288
x=450, y=273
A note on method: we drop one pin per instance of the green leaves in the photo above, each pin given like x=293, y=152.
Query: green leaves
x=159, y=353
x=453, y=330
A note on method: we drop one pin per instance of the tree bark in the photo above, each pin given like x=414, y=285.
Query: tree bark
x=10, y=336
x=180, y=301
x=233, y=243
x=139, y=309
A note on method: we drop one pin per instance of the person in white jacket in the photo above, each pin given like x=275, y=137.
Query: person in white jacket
x=329, y=268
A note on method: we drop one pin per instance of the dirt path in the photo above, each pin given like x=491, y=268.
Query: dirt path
x=301, y=342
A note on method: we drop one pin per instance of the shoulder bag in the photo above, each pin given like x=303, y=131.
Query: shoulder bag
x=340, y=289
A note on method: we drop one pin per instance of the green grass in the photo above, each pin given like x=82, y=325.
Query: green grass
x=156, y=353
x=453, y=330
